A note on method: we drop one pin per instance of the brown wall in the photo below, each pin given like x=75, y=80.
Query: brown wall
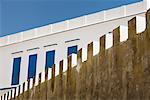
x=119, y=73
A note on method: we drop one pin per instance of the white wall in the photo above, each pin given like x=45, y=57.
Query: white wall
x=57, y=34
x=147, y=4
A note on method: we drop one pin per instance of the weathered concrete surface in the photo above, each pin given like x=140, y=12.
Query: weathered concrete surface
x=119, y=73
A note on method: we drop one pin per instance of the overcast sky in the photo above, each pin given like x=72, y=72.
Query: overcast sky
x=20, y=15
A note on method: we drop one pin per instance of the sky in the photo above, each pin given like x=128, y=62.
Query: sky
x=21, y=15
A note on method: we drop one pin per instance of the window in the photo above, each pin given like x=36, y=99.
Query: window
x=50, y=58
x=72, y=49
x=32, y=66
x=16, y=71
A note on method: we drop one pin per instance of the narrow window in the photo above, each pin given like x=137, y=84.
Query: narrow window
x=32, y=66
x=50, y=58
x=16, y=71
x=72, y=49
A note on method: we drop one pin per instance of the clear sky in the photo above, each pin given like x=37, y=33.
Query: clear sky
x=20, y=15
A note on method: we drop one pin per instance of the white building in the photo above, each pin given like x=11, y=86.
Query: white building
x=23, y=55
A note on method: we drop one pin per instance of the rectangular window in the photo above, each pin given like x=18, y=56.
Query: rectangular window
x=16, y=71
x=72, y=49
x=32, y=66
x=50, y=58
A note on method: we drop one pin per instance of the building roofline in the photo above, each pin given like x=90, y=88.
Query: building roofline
x=83, y=21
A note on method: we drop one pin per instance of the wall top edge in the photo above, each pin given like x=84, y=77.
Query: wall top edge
x=66, y=23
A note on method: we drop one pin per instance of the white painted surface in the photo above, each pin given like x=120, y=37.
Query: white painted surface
x=147, y=4
x=96, y=47
x=109, y=40
x=135, y=8
x=115, y=13
x=41, y=31
x=3, y=40
x=77, y=22
x=57, y=69
x=96, y=17
x=58, y=27
x=123, y=33
x=140, y=24
x=28, y=34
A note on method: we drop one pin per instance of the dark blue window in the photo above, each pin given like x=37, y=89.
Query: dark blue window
x=50, y=58
x=16, y=71
x=32, y=66
x=72, y=49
